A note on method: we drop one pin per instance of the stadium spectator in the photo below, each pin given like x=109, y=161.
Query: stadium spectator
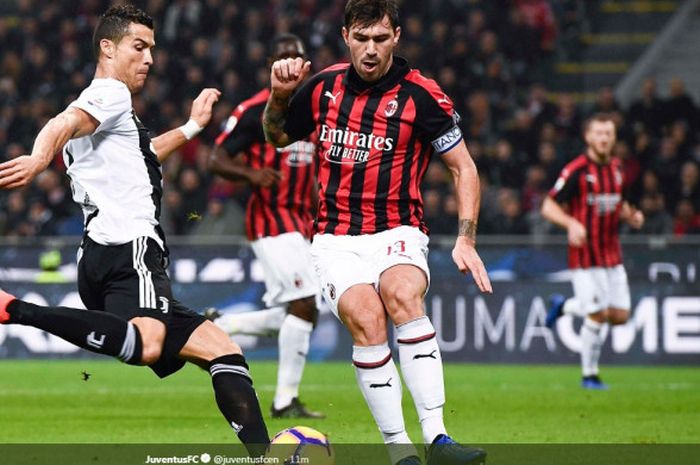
x=647, y=112
x=46, y=63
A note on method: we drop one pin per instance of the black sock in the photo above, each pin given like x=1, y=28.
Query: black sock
x=236, y=399
x=92, y=330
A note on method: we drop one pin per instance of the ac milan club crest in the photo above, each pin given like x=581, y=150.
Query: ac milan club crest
x=391, y=108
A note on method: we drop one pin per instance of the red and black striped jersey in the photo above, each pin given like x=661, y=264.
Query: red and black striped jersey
x=375, y=141
x=287, y=205
x=594, y=194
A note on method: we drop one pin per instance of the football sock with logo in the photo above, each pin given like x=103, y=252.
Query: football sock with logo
x=238, y=402
x=92, y=330
x=591, y=344
x=421, y=366
x=380, y=384
x=294, y=338
x=256, y=323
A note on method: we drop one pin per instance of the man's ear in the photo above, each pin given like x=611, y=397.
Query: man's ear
x=397, y=34
x=346, y=35
x=107, y=48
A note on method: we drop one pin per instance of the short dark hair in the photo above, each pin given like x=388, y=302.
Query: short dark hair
x=114, y=24
x=282, y=38
x=599, y=118
x=367, y=12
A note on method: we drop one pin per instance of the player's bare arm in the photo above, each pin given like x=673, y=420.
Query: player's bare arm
x=468, y=195
x=70, y=124
x=554, y=213
x=633, y=216
x=285, y=76
x=234, y=169
x=200, y=115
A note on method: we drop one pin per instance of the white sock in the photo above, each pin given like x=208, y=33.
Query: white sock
x=421, y=366
x=293, y=347
x=572, y=306
x=591, y=344
x=380, y=384
x=265, y=322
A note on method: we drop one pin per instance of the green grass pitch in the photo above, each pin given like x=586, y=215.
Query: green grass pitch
x=48, y=402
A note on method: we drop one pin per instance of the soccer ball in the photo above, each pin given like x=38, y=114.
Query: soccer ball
x=301, y=445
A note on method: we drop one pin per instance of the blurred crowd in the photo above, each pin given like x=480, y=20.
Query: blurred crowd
x=494, y=58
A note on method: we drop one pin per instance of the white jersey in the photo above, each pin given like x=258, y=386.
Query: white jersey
x=115, y=174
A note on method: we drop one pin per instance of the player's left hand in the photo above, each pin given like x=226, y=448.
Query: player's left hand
x=19, y=171
x=467, y=260
x=636, y=219
x=203, y=104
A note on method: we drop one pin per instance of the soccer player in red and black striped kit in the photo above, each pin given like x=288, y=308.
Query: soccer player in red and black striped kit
x=378, y=122
x=591, y=188
x=278, y=224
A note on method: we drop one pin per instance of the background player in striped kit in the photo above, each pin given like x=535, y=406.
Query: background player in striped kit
x=115, y=174
x=591, y=189
x=378, y=122
x=278, y=224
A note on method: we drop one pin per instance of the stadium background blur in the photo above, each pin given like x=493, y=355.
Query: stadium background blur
x=518, y=71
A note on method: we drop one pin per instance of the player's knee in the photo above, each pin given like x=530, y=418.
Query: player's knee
x=304, y=309
x=403, y=302
x=151, y=353
x=618, y=317
x=367, y=328
x=599, y=317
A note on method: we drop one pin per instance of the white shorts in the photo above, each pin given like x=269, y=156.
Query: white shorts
x=601, y=288
x=343, y=261
x=286, y=265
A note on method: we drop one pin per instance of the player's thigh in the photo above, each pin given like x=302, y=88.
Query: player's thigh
x=362, y=311
x=402, y=288
x=619, y=288
x=339, y=267
x=620, y=299
x=404, y=245
x=590, y=289
x=206, y=343
x=287, y=268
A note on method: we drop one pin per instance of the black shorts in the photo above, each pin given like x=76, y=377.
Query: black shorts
x=130, y=281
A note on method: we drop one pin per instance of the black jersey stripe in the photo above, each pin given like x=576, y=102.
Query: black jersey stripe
x=342, y=120
x=360, y=169
x=274, y=190
x=386, y=163
x=152, y=165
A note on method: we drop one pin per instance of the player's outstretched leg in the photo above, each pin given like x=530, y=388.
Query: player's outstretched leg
x=294, y=341
x=591, y=345
x=421, y=366
x=556, y=309
x=209, y=347
x=265, y=322
x=95, y=331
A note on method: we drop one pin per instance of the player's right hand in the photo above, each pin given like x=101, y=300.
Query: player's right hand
x=576, y=233
x=287, y=74
x=265, y=177
x=19, y=171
